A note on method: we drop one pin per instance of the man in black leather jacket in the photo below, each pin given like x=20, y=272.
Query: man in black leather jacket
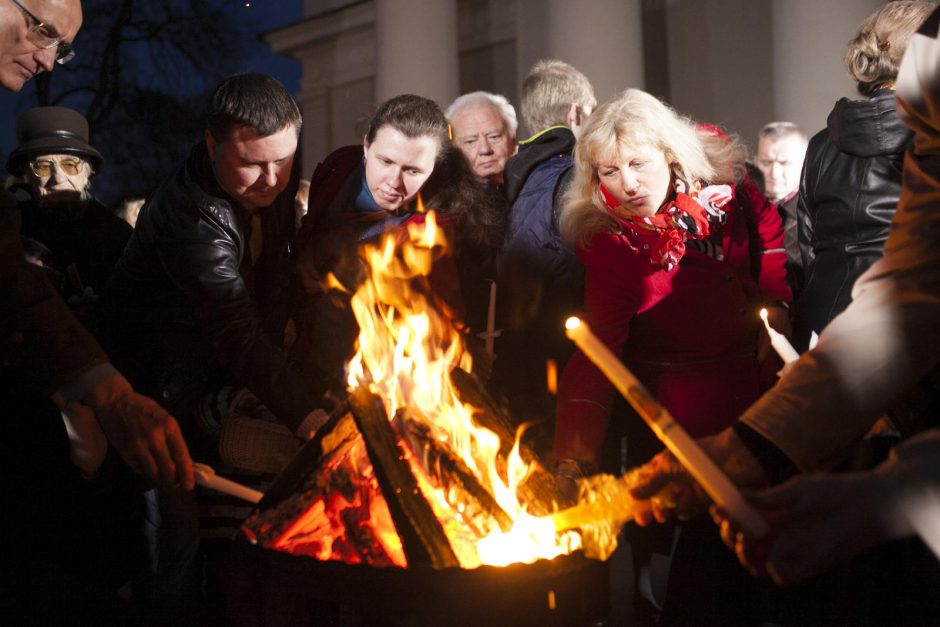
x=201, y=297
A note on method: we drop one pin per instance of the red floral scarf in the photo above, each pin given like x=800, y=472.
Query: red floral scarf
x=688, y=216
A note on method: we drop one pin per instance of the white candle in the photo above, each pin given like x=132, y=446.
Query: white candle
x=780, y=343
x=206, y=477
x=491, y=321
x=676, y=439
x=489, y=336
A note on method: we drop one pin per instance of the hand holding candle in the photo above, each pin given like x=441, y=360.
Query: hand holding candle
x=676, y=439
x=779, y=341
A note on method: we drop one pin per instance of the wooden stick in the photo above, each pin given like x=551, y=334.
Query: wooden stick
x=676, y=439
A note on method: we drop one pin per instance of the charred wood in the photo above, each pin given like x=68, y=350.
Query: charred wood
x=539, y=490
x=449, y=472
x=422, y=536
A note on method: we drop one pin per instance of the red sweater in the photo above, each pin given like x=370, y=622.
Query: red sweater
x=689, y=335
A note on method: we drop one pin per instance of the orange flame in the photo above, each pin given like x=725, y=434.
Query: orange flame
x=406, y=351
x=551, y=376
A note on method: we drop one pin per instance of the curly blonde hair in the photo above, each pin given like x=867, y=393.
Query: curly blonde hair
x=694, y=153
x=874, y=55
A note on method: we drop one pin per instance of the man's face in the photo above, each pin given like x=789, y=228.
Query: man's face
x=20, y=57
x=483, y=136
x=253, y=169
x=57, y=177
x=398, y=166
x=781, y=161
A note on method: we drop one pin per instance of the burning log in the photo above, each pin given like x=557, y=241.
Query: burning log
x=421, y=533
x=445, y=483
x=448, y=472
x=335, y=511
x=539, y=489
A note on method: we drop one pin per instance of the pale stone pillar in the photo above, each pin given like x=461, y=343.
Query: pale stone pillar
x=416, y=49
x=810, y=40
x=602, y=38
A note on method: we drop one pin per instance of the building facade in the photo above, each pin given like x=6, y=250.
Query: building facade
x=737, y=63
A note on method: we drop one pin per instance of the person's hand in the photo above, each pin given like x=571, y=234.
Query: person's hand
x=670, y=490
x=817, y=521
x=677, y=493
x=144, y=434
x=567, y=473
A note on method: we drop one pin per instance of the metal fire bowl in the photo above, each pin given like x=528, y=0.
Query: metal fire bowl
x=304, y=590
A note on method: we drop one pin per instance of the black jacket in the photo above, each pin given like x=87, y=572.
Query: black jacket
x=85, y=240
x=848, y=194
x=188, y=309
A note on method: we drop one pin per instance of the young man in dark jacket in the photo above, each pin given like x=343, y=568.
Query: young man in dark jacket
x=201, y=297
x=542, y=278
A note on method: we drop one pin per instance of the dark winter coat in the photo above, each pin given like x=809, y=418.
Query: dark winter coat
x=191, y=311
x=848, y=194
x=690, y=334
x=541, y=279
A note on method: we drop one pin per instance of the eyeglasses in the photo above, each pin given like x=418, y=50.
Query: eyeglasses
x=41, y=35
x=44, y=167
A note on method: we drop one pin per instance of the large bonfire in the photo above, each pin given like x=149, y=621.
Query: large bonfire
x=408, y=348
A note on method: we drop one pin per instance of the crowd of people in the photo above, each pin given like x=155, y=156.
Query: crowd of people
x=139, y=339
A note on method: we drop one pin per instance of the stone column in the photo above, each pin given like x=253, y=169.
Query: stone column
x=602, y=38
x=416, y=49
x=809, y=43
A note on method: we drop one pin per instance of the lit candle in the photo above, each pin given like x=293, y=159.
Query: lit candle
x=779, y=341
x=676, y=439
x=551, y=376
x=206, y=477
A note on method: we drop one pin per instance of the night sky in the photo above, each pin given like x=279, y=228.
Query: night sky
x=263, y=15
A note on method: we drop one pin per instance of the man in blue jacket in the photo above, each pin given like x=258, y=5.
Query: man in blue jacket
x=542, y=279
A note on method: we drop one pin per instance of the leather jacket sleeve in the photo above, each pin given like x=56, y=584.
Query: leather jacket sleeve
x=202, y=258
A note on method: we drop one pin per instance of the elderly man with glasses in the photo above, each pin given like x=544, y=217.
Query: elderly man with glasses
x=53, y=163
x=35, y=35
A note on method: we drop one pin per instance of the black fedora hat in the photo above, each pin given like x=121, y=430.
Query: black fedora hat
x=51, y=130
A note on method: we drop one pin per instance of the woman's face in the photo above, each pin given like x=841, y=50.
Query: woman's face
x=638, y=176
x=397, y=166
x=57, y=175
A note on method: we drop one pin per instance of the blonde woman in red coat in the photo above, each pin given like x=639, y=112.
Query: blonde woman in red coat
x=681, y=253
x=680, y=257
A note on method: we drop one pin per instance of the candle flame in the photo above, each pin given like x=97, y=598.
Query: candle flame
x=763, y=314
x=551, y=376
x=573, y=322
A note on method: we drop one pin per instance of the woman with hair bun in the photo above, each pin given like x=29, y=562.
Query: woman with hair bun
x=852, y=173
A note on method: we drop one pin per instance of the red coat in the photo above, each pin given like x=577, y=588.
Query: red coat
x=690, y=335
